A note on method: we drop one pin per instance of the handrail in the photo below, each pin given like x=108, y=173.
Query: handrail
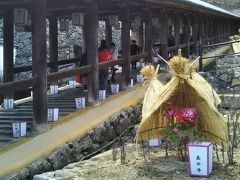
x=49, y=64
x=53, y=77
x=7, y=88
x=220, y=44
x=69, y=61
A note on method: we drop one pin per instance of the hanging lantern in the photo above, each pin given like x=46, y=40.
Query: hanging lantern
x=63, y=25
x=20, y=16
x=77, y=19
x=137, y=21
x=113, y=20
x=155, y=21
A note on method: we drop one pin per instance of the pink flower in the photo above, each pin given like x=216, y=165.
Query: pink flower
x=186, y=114
x=169, y=112
x=176, y=130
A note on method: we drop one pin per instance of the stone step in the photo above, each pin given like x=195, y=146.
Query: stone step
x=4, y=138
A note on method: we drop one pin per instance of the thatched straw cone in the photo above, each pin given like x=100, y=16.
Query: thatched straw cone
x=153, y=87
x=186, y=89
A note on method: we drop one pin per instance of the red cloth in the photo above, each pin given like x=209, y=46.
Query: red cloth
x=104, y=55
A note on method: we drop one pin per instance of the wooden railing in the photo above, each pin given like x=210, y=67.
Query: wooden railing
x=10, y=87
x=7, y=88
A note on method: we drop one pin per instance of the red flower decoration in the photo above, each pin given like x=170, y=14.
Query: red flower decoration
x=169, y=112
x=186, y=114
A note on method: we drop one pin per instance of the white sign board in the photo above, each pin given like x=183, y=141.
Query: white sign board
x=8, y=103
x=54, y=89
x=72, y=84
x=154, y=142
x=131, y=84
x=80, y=102
x=139, y=78
x=19, y=129
x=102, y=94
x=114, y=88
x=200, y=155
x=53, y=114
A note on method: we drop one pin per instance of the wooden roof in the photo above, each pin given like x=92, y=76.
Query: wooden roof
x=109, y=7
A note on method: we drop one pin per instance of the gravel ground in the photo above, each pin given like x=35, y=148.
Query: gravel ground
x=136, y=167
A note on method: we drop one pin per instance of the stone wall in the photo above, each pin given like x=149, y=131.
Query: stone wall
x=84, y=146
x=226, y=74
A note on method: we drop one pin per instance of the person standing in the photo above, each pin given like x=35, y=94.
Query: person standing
x=134, y=50
x=103, y=56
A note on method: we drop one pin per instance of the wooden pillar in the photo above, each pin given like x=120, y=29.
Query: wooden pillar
x=39, y=64
x=187, y=36
x=206, y=25
x=177, y=30
x=91, y=30
x=219, y=30
x=201, y=30
x=194, y=34
x=53, y=43
x=149, y=36
x=140, y=35
x=210, y=30
x=164, y=35
x=126, y=44
x=8, y=37
x=108, y=32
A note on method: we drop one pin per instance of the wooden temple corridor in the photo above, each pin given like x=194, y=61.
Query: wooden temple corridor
x=164, y=25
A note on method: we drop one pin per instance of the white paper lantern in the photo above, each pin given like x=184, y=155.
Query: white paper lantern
x=63, y=25
x=77, y=19
x=113, y=20
x=20, y=16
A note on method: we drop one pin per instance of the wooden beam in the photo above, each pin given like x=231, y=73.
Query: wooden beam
x=53, y=43
x=91, y=29
x=39, y=62
x=8, y=37
x=126, y=44
x=17, y=85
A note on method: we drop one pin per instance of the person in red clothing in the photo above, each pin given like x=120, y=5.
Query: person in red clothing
x=103, y=56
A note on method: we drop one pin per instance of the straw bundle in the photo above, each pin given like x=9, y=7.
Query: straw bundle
x=236, y=45
x=153, y=84
x=185, y=89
